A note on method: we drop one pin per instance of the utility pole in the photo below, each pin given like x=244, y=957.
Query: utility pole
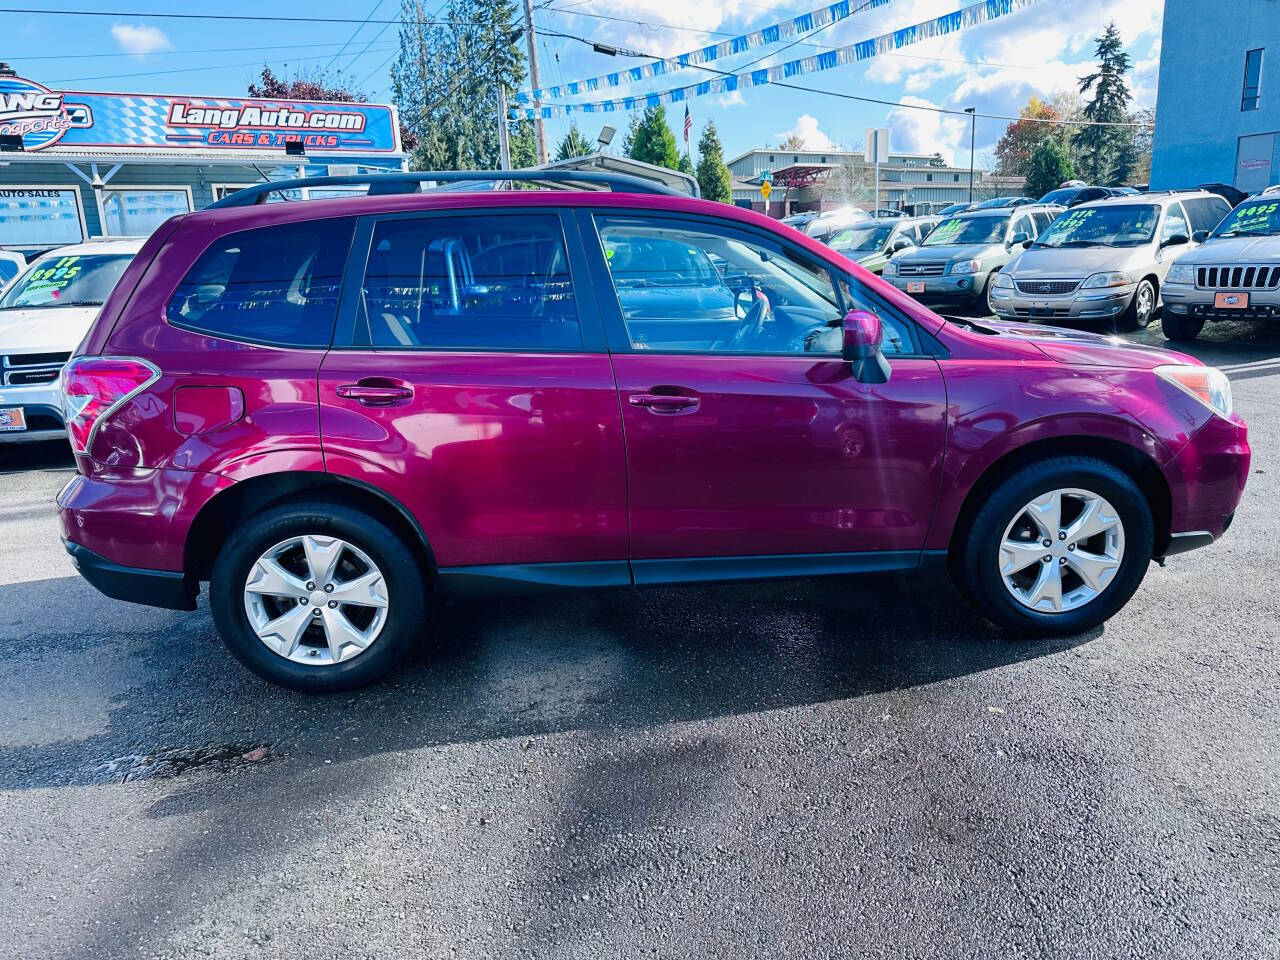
x=973, y=124
x=539, y=131
x=504, y=145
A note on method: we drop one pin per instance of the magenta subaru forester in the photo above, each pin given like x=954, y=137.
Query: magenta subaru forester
x=338, y=411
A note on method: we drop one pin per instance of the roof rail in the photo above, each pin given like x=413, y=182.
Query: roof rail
x=383, y=184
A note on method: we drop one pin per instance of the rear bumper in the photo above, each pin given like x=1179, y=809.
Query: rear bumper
x=154, y=588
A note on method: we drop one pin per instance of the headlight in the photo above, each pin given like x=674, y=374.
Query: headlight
x=1004, y=281
x=965, y=266
x=1181, y=273
x=890, y=269
x=1209, y=385
x=1107, y=280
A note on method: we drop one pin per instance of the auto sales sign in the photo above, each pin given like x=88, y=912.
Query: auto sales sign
x=124, y=121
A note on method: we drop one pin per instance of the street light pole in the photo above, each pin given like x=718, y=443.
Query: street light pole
x=973, y=123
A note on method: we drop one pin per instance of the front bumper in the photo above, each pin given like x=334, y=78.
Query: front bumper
x=942, y=290
x=42, y=408
x=1183, y=300
x=1102, y=303
x=153, y=588
x=1206, y=482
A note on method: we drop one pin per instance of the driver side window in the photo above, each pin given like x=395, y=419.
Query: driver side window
x=1175, y=224
x=692, y=287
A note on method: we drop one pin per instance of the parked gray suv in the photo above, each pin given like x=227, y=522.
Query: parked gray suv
x=1105, y=260
x=1233, y=275
x=954, y=265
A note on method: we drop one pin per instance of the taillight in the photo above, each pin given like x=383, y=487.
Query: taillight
x=95, y=387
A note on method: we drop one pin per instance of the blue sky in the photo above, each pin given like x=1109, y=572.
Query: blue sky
x=994, y=67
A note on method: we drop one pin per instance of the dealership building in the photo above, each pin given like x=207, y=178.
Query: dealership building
x=804, y=180
x=75, y=165
x=1218, y=106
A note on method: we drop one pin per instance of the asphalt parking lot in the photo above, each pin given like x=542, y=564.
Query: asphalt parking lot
x=830, y=769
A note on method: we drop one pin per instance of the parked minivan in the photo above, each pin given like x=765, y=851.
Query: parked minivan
x=1106, y=261
x=338, y=412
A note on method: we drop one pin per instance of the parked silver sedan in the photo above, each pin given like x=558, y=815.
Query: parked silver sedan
x=1105, y=260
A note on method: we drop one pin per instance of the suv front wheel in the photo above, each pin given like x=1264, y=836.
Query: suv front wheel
x=317, y=597
x=1058, y=547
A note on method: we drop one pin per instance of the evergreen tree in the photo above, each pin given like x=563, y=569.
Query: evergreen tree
x=1106, y=154
x=713, y=175
x=686, y=165
x=629, y=138
x=574, y=144
x=523, y=143
x=653, y=141
x=1048, y=167
x=445, y=80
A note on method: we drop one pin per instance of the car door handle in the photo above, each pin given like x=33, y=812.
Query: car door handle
x=662, y=403
x=374, y=394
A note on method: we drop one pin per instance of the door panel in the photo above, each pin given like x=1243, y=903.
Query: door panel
x=780, y=455
x=502, y=459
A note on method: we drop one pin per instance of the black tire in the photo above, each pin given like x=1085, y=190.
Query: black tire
x=405, y=589
x=1181, y=328
x=976, y=556
x=988, y=309
x=1138, y=316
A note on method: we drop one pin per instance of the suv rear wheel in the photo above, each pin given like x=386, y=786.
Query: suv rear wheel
x=1058, y=547
x=1181, y=328
x=317, y=597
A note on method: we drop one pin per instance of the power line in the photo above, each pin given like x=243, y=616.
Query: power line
x=160, y=73
x=175, y=53
x=239, y=18
x=355, y=33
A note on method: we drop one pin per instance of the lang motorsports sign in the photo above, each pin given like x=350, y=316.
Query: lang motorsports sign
x=45, y=118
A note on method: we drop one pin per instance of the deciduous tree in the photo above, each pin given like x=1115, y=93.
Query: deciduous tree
x=1020, y=137
x=1048, y=167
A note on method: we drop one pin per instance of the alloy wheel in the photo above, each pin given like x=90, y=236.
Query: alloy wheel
x=1061, y=550
x=316, y=600
x=1146, y=304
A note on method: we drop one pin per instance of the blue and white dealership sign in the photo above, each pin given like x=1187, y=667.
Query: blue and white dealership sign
x=44, y=117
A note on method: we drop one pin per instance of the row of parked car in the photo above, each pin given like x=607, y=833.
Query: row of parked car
x=1118, y=261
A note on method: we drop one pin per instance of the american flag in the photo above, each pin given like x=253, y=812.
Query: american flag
x=688, y=125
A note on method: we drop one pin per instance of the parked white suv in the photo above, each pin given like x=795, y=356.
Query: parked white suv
x=44, y=314
x=1233, y=275
x=1105, y=260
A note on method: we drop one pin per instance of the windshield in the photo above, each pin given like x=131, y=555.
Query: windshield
x=861, y=238
x=70, y=281
x=964, y=230
x=1124, y=225
x=1063, y=196
x=1251, y=219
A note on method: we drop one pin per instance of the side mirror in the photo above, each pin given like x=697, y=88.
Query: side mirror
x=1026, y=244
x=902, y=243
x=863, y=337
x=1177, y=240
x=1200, y=236
x=1019, y=239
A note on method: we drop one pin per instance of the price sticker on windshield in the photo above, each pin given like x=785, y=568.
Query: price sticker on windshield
x=946, y=230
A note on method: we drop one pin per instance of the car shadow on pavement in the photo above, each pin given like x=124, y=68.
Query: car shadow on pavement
x=100, y=704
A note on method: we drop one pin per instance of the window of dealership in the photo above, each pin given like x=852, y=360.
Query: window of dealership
x=76, y=165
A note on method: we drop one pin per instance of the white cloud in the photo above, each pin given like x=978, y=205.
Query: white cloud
x=733, y=98
x=806, y=128
x=140, y=39
x=926, y=131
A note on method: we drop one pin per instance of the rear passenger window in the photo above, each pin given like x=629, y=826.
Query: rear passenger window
x=469, y=282
x=276, y=285
x=1206, y=212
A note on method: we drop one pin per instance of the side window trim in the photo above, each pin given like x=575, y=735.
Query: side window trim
x=589, y=318
x=611, y=310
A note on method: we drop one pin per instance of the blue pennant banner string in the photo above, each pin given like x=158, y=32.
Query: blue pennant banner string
x=784, y=30
x=978, y=13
